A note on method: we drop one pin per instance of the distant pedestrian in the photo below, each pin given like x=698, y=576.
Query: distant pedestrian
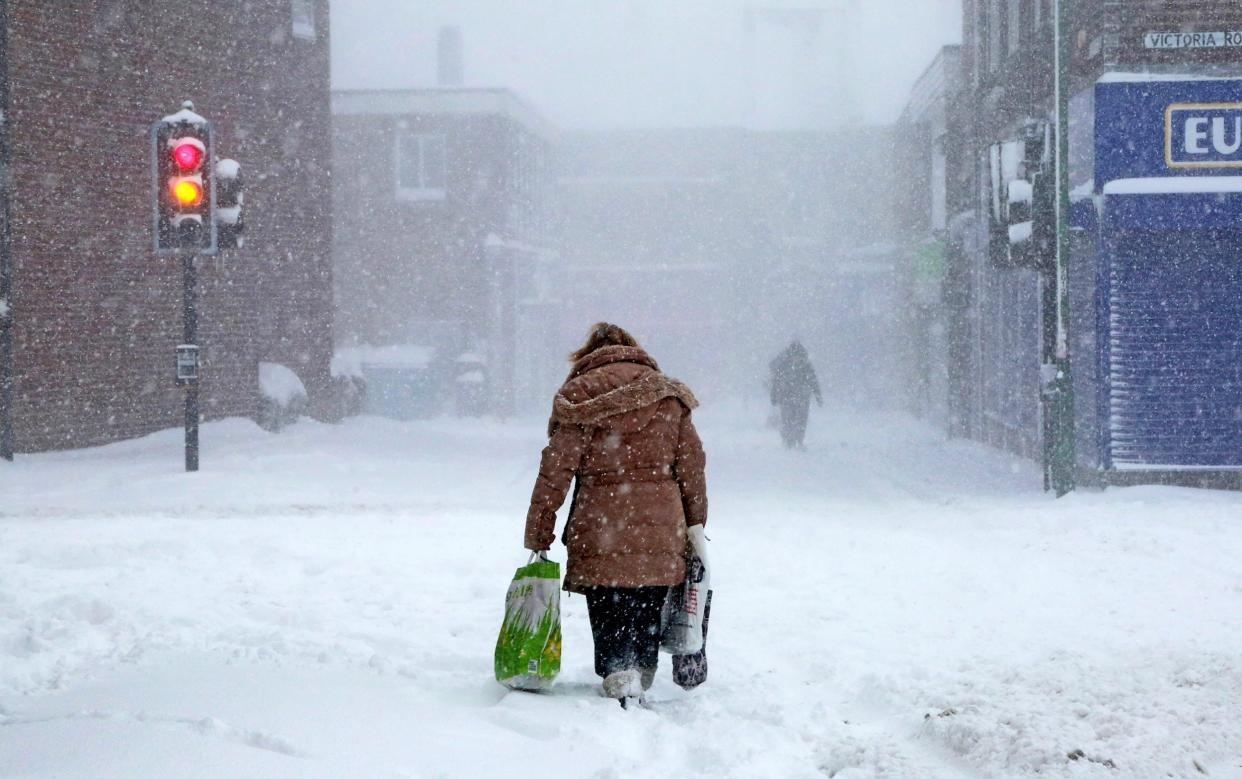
x=623, y=430
x=792, y=384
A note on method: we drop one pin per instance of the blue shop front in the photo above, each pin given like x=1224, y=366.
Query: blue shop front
x=1156, y=275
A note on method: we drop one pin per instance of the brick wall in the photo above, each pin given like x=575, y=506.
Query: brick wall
x=96, y=315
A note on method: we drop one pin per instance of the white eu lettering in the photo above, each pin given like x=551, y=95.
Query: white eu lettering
x=1196, y=134
x=1218, y=136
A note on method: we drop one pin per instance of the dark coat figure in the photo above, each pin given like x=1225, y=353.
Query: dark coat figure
x=622, y=430
x=793, y=383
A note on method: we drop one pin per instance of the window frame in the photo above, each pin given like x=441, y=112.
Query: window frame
x=1014, y=27
x=996, y=14
x=401, y=149
x=302, y=19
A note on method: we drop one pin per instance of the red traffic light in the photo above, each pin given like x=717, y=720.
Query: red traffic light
x=187, y=153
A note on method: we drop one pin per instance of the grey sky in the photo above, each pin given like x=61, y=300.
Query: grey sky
x=626, y=63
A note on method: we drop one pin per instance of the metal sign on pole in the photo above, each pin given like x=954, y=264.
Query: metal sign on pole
x=1059, y=444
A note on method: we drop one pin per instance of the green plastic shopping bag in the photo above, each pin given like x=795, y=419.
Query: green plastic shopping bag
x=528, y=651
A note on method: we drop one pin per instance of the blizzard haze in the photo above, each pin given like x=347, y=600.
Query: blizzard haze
x=645, y=63
x=816, y=214
x=719, y=175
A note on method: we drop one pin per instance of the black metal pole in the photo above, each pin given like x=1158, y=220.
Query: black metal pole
x=189, y=281
x=6, y=266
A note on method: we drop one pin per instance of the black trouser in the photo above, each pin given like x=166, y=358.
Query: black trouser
x=625, y=623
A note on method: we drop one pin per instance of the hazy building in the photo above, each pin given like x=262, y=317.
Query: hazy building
x=929, y=160
x=439, y=196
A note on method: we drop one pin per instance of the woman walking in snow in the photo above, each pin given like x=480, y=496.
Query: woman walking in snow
x=623, y=430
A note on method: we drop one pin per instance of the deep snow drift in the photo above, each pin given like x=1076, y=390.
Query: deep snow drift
x=323, y=603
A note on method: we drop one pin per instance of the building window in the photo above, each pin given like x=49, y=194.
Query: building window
x=420, y=166
x=1015, y=26
x=980, y=22
x=303, y=14
x=995, y=32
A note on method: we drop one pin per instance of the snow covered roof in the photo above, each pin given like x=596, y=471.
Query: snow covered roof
x=439, y=101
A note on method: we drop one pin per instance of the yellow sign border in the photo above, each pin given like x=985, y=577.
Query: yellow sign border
x=1168, y=135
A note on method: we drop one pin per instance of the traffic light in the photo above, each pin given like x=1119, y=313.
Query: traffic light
x=229, y=223
x=184, y=192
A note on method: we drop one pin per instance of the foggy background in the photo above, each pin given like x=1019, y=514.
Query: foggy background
x=660, y=63
x=718, y=176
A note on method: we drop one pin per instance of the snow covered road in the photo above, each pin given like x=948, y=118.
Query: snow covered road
x=323, y=603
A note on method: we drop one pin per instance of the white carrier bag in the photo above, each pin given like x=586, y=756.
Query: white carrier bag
x=682, y=620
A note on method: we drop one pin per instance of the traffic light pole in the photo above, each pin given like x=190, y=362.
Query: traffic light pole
x=1060, y=458
x=6, y=256
x=189, y=278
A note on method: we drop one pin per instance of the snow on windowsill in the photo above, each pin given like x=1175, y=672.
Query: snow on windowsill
x=1082, y=191
x=1140, y=78
x=1175, y=185
x=1020, y=191
x=1020, y=232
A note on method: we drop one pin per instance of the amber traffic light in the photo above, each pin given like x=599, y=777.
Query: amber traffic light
x=187, y=192
x=184, y=192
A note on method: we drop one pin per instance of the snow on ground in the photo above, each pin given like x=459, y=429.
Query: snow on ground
x=324, y=602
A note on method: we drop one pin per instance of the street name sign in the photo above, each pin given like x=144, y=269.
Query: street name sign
x=1193, y=40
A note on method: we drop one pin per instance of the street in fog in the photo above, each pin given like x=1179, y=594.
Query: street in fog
x=403, y=389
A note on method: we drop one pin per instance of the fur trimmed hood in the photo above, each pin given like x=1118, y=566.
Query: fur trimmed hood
x=587, y=400
x=650, y=389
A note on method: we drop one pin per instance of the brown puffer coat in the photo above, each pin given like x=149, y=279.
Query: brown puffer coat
x=624, y=430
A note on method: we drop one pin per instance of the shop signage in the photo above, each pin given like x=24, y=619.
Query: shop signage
x=1193, y=40
x=1203, y=135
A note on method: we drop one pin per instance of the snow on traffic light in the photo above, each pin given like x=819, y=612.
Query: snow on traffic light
x=229, y=199
x=184, y=192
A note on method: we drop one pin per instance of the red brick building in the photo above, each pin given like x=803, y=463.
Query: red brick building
x=440, y=195
x=92, y=315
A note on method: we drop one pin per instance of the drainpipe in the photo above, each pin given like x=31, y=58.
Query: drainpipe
x=6, y=254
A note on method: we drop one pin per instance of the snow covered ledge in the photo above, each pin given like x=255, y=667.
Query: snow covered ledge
x=1176, y=185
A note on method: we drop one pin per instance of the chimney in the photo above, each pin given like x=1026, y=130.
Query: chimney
x=451, y=70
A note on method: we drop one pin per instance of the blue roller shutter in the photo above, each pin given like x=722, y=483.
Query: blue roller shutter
x=1174, y=356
